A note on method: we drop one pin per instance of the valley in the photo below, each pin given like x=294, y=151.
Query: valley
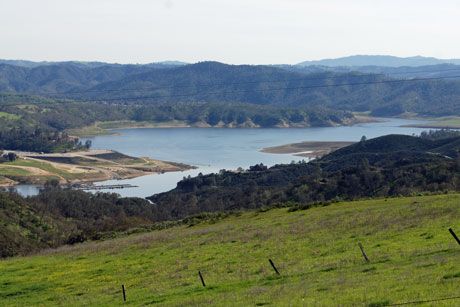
x=229, y=153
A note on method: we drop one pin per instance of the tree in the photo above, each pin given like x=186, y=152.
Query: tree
x=458, y=161
x=88, y=144
x=12, y=156
x=52, y=184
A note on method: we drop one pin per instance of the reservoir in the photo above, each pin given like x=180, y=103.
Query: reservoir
x=213, y=149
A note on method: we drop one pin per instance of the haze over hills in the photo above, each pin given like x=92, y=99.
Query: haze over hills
x=92, y=64
x=428, y=71
x=353, y=60
x=380, y=60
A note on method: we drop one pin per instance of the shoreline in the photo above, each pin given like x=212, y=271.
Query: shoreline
x=309, y=149
x=433, y=126
x=107, y=128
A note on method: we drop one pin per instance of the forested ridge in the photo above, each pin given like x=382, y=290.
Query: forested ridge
x=58, y=217
x=37, y=140
x=212, y=82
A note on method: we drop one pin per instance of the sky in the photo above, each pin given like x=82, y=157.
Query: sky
x=230, y=31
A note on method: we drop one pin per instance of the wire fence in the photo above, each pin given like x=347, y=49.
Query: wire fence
x=367, y=260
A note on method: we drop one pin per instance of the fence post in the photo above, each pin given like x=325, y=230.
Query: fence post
x=273, y=266
x=124, y=293
x=454, y=235
x=363, y=252
x=202, y=279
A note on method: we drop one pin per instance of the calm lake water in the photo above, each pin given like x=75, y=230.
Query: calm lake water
x=213, y=149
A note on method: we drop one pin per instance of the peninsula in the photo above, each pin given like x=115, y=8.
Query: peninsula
x=80, y=167
x=307, y=149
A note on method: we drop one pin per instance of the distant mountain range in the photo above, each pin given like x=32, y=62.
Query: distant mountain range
x=359, y=89
x=349, y=61
x=380, y=60
x=32, y=64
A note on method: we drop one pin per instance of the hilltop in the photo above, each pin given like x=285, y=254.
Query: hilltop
x=448, y=148
x=412, y=257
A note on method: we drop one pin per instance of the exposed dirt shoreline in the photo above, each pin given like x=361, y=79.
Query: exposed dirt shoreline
x=106, y=128
x=307, y=149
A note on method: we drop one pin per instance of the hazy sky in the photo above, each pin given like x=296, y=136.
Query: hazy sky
x=231, y=31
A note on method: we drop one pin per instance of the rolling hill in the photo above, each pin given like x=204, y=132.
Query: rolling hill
x=412, y=257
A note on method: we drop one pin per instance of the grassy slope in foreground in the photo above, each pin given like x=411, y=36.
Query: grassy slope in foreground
x=413, y=257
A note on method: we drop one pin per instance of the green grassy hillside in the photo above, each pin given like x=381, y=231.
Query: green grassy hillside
x=412, y=257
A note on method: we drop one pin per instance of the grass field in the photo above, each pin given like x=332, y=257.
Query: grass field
x=9, y=116
x=451, y=122
x=42, y=166
x=12, y=171
x=412, y=257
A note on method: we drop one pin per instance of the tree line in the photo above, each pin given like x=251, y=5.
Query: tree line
x=38, y=140
x=63, y=115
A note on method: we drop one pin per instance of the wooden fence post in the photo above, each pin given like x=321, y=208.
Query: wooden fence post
x=454, y=235
x=363, y=252
x=273, y=266
x=202, y=279
x=124, y=293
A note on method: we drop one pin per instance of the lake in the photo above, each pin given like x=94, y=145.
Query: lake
x=212, y=149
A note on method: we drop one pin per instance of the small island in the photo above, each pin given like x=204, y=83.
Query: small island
x=78, y=167
x=307, y=149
